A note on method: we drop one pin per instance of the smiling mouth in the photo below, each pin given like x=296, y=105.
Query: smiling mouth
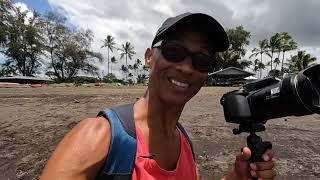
x=179, y=84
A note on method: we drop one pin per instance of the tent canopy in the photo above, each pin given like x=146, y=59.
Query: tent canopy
x=25, y=79
x=231, y=72
x=251, y=78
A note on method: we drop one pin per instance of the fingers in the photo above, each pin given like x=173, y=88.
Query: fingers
x=245, y=155
x=262, y=165
x=266, y=174
x=267, y=156
x=263, y=170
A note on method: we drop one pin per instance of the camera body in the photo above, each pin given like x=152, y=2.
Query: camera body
x=269, y=98
x=255, y=103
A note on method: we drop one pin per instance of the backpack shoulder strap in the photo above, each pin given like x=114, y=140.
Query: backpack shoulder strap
x=120, y=160
x=184, y=132
x=125, y=114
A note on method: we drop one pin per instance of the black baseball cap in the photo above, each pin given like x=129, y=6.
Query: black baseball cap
x=215, y=32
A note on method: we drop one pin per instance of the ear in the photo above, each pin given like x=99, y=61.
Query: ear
x=148, y=57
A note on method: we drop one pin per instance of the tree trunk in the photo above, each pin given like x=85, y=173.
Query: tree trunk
x=24, y=68
x=24, y=62
x=32, y=66
x=126, y=69
x=271, y=60
x=282, y=61
x=53, y=65
x=108, y=60
x=261, y=63
x=62, y=72
x=278, y=60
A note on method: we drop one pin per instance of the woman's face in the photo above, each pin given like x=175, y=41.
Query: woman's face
x=177, y=83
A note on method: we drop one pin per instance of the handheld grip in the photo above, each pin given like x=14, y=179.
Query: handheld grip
x=257, y=147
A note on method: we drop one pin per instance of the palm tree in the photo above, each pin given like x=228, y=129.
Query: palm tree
x=262, y=49
x=300, y=61
x=136, y=66
x=258, y=66
x=287, y=44
x=228, y=59
x=113, y=61
x=245, y=64
x=276, y=61
x=274, y=44
x=124, y=69
x=145, y=69
x=130, y=67
x=109, y=43
x=127, y=51
x=7, y=68
x=281, y=38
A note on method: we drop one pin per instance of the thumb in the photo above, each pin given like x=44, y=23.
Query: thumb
x=245, y=155
x=242, y=167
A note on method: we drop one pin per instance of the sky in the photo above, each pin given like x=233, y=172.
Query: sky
x=137, y=21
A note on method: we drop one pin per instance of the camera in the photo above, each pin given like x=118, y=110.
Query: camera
x=256, y=102
x=269, y=98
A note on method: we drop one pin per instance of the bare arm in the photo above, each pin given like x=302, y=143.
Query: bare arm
x=81, y=152
x=197, y=173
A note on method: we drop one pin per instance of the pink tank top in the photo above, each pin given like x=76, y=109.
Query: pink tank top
x=148, y=169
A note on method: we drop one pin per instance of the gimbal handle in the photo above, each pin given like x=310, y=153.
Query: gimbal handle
x=257, y=147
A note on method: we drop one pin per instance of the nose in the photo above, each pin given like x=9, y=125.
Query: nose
x=186, y=66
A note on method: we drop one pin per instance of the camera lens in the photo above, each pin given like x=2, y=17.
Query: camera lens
x=316, y=89
x=309, y=88
x=315, y=97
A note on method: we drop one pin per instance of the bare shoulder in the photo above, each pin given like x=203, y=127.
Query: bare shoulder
x=81, y=152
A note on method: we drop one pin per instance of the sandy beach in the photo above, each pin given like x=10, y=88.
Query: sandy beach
x=34, y=120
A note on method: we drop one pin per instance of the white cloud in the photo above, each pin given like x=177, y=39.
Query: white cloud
x=137, y=21
x=23, y=8
x=313, y=51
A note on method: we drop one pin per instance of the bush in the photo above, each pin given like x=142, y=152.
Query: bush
x=142, y=79
x=110, y=78
x=83, y=80
x=275, y=73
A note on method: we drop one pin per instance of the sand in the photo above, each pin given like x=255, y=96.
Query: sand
x=34, y=120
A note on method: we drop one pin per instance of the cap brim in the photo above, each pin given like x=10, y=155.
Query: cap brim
x=215, y=32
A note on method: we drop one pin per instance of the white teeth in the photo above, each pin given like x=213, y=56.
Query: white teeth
x=179, y=83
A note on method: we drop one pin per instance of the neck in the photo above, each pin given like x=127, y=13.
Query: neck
x=154, y=114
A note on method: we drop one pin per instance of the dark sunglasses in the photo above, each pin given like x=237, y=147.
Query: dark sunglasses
x=174, y=52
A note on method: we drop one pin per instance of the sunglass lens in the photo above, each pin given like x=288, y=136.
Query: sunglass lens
x=173, y=52
x=202, y=62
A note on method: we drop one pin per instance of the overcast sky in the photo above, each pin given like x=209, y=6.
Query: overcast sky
x=137, y=21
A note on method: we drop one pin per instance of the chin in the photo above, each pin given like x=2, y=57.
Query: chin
x=176, y=99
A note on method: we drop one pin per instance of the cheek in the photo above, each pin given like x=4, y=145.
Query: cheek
x=155, y=62
x=160, y=65
x=203, y=77
x=156, y=69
